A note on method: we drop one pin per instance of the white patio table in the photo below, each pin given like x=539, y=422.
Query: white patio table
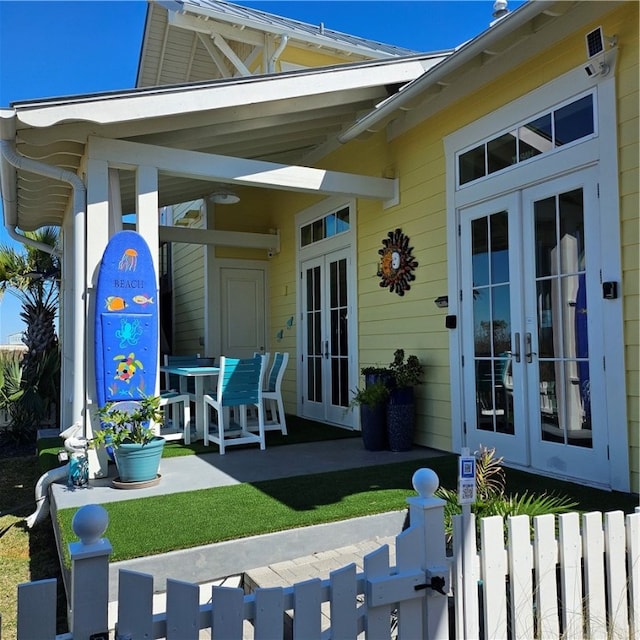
x=200, y=374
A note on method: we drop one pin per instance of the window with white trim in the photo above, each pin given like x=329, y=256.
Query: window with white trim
x=326, y=226
x=560, y=126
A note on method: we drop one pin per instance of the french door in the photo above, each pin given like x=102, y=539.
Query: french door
x=532, y=319
x=326, y=303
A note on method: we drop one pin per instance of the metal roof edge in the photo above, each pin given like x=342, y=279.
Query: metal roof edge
x=460, y=55
x=263, y=21
x=23, y=105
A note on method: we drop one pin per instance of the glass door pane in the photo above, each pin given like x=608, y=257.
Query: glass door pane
x=339, y=338
x=313, y=321
x=492, y=323
x=563, y=361
x=325, y=365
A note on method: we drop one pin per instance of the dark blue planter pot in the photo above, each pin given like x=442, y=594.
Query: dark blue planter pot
x=373, y=421
x=139, y=462
x=401, y=419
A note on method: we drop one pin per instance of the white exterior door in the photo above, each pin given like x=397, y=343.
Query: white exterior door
x=532, y=323
x=562, y=347
x=242, y=311
x=495, y=393
x=326, y=303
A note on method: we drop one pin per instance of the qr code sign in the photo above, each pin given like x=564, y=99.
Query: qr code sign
x=467, y=492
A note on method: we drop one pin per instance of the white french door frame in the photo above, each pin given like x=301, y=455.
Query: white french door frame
x=343, y=244
x=587, y=463
x=507, y=404
x=599, y=152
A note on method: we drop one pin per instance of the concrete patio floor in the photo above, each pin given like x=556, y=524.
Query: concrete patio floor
x=188, y=473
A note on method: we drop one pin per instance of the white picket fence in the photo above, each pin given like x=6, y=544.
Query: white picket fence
x=578, y=576
x=582, y=583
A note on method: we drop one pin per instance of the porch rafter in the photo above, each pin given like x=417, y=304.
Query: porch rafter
x=239, y=171
x=244, y=239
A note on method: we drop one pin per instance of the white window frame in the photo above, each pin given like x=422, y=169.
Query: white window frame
x=517, y=126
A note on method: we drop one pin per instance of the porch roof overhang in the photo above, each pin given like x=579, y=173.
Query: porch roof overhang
x=261, y=130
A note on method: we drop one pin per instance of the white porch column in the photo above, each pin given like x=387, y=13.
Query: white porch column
x=97, y=237
x=147, y=226
x=66, y=317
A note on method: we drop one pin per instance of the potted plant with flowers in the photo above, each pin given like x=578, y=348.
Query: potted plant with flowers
x=127, y=433
x=406, y=373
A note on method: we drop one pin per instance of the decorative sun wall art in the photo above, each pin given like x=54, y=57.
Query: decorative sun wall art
x=396, y=263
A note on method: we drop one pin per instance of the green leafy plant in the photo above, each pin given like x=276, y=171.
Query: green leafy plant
x=492, y=499
x=372, y=395
x=128, y=425
x=406, y=373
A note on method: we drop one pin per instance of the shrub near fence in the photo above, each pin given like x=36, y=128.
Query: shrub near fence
x=500, y=591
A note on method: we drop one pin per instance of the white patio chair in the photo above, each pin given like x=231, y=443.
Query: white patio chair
x=272, y=394
x=174, y=427
x=239, y=385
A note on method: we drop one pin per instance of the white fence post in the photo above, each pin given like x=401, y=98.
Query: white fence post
x=426, y=513
x=88, y=614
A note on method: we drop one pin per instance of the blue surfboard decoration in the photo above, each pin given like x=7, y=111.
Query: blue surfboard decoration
x=126, y=321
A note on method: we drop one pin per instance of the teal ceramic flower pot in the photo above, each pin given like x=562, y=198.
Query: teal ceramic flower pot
x=139, y=462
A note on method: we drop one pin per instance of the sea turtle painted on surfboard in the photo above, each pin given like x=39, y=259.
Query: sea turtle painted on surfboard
x=126, y=321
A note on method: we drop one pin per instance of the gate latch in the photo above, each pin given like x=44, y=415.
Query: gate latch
x=437, y=579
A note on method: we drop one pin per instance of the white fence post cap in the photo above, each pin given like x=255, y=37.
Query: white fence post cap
x=90, y=522
x=425, y=482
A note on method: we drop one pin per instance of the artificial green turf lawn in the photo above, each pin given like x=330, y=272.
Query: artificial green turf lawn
x=148, y=526
x=189, y=519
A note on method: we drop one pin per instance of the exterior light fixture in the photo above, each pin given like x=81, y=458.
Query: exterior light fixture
x=224, y=196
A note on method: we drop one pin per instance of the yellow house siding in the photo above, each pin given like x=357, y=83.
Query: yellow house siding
x=413, y=322
x=279, y=210
x=624, y=23
x=309, y=58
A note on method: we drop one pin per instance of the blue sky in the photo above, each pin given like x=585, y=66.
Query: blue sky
x=56, y=48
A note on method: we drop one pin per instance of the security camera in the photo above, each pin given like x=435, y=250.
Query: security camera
x=592, y=70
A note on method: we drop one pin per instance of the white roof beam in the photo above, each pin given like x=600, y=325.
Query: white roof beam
x=222, y=44
x=252, y=173
x=220, y=238
x=215, y=56
x=199, y=137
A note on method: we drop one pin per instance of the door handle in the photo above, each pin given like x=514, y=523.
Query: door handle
x=326, y=349
x=516, y=346
x=527, y=345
